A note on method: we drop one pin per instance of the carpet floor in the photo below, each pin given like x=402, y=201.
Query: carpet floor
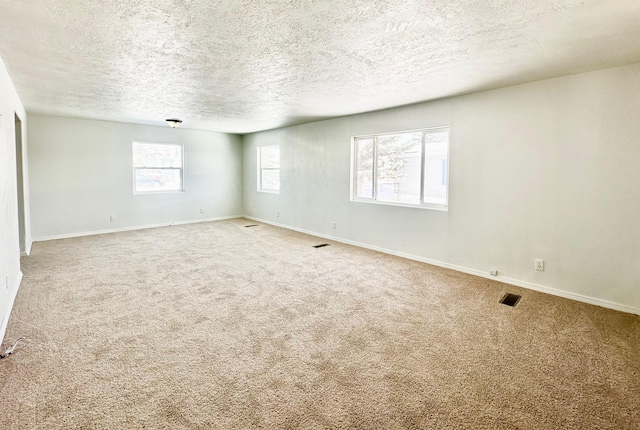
x=220, y=326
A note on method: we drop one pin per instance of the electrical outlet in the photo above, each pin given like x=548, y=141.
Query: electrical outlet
x=6, y=281
x=112, y=218
x=539, y=264
x=333, y=225
x=277, y=214
x=201, y=210
x=493, y=271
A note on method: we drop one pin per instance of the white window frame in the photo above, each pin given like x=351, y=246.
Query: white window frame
x=181, y=168
x=260, y=169
x=422, y=204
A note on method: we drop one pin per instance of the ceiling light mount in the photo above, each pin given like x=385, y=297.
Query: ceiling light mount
x=173, y=122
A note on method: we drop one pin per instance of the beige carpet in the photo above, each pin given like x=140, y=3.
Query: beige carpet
x=219, y=326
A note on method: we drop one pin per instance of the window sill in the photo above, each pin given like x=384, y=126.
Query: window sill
x=141, y=193
x=433, y=207
x=269, y=191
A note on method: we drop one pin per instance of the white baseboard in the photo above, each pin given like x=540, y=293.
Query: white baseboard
x=12, y=299
x=524, y=284
x=137, y=227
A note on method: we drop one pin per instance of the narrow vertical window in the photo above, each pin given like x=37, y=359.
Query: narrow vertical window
x=269, y=168
x=436, y=150
x=157, y=167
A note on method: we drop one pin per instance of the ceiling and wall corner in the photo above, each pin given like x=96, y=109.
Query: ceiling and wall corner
x=242, y=67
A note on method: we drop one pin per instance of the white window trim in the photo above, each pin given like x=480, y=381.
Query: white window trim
x=181, y=190
x=422, y=204
x=260, y=169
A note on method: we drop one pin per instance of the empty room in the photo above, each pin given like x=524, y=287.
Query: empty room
x=320, y=215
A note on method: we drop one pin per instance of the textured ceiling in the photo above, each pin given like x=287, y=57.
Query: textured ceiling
x=242, y=66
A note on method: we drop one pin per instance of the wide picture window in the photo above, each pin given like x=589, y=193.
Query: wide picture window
x=403, y=168
x=157, y=167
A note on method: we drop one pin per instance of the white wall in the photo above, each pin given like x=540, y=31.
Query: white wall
x=10, y=274
x=545, y=170
x=81, y=173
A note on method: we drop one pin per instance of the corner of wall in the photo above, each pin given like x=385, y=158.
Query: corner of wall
x=7, y=312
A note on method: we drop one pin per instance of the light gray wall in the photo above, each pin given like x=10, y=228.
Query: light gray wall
x=545, y=170
x=81, y=174
x=10, y=273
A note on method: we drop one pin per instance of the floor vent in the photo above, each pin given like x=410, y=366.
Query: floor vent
x=321, y=245
x=251, y=225
x=510, y=299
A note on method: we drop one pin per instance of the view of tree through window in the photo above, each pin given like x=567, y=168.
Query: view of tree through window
x=157, y=167
x=399, y=168
x=407, y=168
x=364, y=168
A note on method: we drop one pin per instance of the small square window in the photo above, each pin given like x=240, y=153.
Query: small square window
x=157, y=167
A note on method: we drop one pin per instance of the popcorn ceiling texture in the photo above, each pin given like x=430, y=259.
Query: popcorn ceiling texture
x=241, y=66
x=218, y=326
